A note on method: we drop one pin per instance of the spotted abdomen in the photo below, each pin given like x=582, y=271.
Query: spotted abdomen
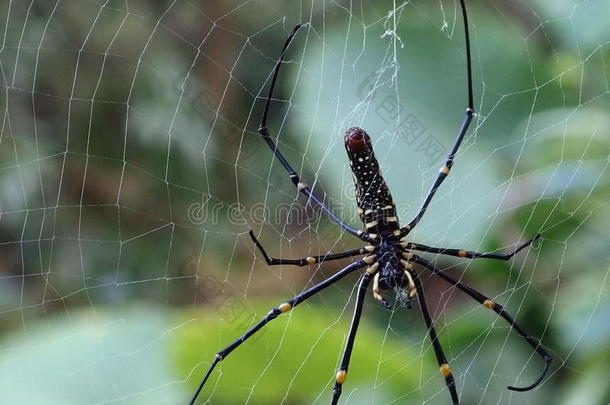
x=375, y=204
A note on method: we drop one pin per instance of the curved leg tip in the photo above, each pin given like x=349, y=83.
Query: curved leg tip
x=522, y=389
x=547, y=365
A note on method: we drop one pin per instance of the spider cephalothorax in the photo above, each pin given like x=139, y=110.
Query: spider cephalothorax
x=393, y=272
x=389, y=262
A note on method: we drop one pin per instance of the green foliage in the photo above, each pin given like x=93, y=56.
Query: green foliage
x=295, y=356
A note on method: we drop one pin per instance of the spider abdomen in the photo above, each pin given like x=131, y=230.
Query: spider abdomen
x=375, y=204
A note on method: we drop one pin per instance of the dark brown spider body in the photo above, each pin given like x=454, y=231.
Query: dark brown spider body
x=375, y=204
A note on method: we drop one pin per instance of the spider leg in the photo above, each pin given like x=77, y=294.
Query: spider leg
x=274, y=313
x=294, y=177
x=377, y=293
x=467, y=253
x=436, y=345
x=498, y=309
x=444, y=171
x=271, y=261
x=347, y=353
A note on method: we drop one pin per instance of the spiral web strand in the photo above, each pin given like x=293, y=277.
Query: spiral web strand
x=131, y=173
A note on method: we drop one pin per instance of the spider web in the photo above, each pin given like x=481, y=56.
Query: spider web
x=131, y=172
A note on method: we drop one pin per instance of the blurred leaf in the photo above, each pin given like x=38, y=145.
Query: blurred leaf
x=295, y=357
x=86, y=356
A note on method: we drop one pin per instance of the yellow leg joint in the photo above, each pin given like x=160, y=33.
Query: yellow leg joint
x=462, y=253
x=407, y=256
x=373, y=269
x=445, y=370
x=406, y=264
x=341, y=376
x=311, y=260
x=285, y=307
x=489, y=304
x=369, y=259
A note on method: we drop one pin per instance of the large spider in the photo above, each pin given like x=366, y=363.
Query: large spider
x=389, y=260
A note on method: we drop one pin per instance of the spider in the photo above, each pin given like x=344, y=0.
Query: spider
x=389, y=261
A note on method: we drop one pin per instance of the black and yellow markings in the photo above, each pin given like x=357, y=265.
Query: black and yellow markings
x=407, y=256
x=369, y=236
x=371, y=224
x=311, y=260
x=369, y=259
x=445, y=370
x=379, y=216
x=408, y=245
x=285, y=307
x=489, y=304
x=406, y=264
x=444, y=170
x=408, y=267
x=294, y=178
x=373, y=269
x=341, y=376
x=462, y=253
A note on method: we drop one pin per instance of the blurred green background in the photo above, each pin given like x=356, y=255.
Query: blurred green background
x=131, y=171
